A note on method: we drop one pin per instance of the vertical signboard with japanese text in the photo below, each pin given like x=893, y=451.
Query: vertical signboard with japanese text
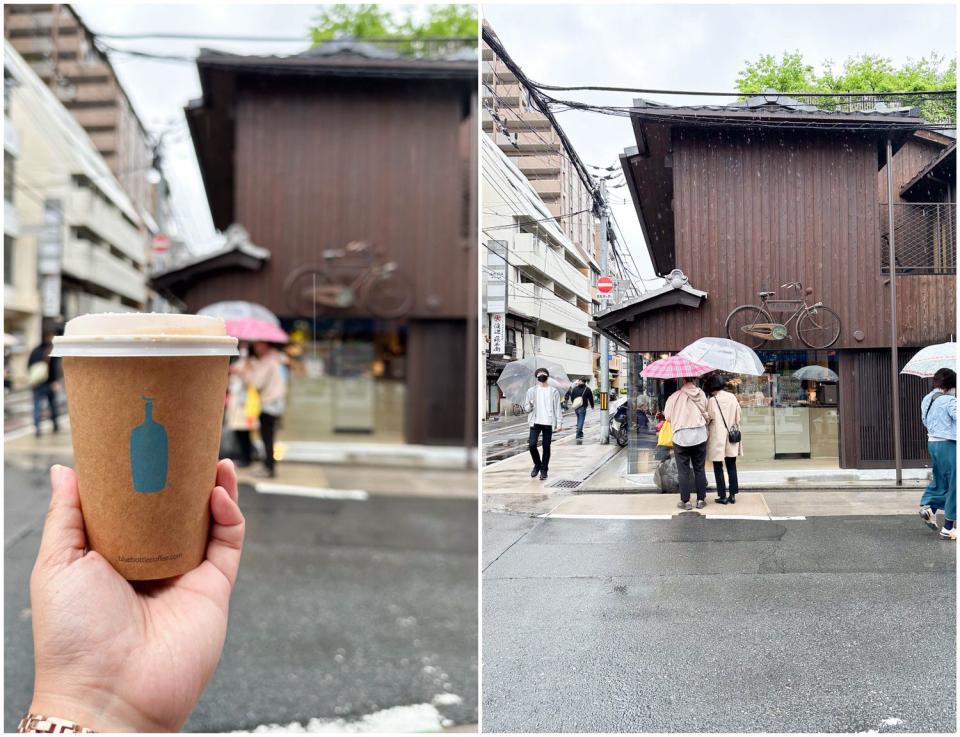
x=496, y=283
x=50, y=256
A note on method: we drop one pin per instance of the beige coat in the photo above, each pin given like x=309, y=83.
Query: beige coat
x=686, y=408
x=718, y=444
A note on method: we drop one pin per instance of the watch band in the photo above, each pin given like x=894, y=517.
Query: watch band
x=49, y=725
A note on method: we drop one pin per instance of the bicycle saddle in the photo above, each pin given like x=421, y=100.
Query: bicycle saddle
x=766, y=294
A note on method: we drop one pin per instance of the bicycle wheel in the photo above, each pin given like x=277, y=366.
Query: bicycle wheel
x=742, y=319
x=310, y=290
x=819, y=327
x=388, y=295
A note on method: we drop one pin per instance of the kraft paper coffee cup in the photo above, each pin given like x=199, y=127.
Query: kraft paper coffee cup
x=145, y=394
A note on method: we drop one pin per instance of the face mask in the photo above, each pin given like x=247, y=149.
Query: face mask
x=541, y=377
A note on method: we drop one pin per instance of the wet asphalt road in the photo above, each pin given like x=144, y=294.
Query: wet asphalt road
x=342, y=608
x=830, y=624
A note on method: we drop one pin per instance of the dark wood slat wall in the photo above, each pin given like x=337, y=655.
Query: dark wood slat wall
x=907, y=163
x=755, y=210
x=926, y=309
x=320, y=164
x=865, y=417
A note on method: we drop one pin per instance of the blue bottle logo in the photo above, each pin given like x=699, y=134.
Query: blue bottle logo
x=148, y=453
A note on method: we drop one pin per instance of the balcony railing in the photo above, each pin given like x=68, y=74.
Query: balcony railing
x=925, y=238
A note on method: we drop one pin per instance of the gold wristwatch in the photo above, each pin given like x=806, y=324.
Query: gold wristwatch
x=49, y=725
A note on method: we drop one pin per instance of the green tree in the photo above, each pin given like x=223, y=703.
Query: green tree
x=860, y=73
x=380, y=23
x=788, y=74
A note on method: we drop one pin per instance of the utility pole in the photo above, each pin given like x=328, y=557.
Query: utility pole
x=894, y=360
x=604, y=346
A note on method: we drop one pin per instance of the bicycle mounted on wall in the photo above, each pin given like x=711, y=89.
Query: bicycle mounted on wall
x=818, y=327
x=358, y=276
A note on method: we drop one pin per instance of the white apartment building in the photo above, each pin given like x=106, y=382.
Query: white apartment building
x=547, y=310
x=21, y=297
x=80, y=247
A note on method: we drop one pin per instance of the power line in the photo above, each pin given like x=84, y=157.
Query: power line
x=490, y=38
x=534, y=222
x=279, y=39
x=693, y=93
x=200, y=37
x=704, y=119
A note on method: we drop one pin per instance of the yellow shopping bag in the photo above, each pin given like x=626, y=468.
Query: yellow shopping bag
x=665, y=436
x=251, y=407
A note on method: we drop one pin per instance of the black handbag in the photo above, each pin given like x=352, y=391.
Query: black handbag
x=733, y=433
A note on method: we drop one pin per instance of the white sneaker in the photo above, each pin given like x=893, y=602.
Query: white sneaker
x=946, y=534
x=929, y=517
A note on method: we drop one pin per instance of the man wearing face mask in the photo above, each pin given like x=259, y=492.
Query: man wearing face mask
x=545, y=416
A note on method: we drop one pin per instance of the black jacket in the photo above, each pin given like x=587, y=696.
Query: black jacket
x=42, y=354
x=582, y=391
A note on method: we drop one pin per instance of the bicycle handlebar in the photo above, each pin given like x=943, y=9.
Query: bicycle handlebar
x=795, y=284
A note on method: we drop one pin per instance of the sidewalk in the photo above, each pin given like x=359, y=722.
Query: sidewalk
x=343, y=479
x=762, y=476
x=569, y=462
x=796, y=505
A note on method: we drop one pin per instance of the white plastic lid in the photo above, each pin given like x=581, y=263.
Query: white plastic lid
x=144, y=334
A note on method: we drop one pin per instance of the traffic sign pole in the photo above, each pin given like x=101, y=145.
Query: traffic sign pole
x=604, y=347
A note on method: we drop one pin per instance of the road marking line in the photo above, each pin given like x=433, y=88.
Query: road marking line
x=763, y=517
x=313, y=492
x=609, y=516
x=46, y=426
x=777, y=519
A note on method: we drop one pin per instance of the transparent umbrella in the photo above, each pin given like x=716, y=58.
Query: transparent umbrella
x=724, y=355
x=816, y=373
x=518, y=376
x=931, y=359
x=239, y=310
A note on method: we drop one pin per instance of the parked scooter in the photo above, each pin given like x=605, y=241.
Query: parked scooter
x=619, y=425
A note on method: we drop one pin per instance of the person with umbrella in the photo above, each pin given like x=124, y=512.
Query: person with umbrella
x=263, y=371
x=686, y=411
x=939, y=415
x=725, y=415
x=544, y=417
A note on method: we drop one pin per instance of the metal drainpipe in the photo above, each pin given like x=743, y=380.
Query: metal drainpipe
x=894, y=360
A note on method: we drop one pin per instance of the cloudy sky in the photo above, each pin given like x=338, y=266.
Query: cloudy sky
x=693, y=47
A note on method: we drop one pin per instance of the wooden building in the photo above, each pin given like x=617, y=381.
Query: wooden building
x=347, y=143
x=748, y=197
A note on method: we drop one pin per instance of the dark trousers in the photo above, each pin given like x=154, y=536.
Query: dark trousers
x=731, y=472
x=538, y=462
x=41, y=394
x=245, y=446
x=268, y=427
x=690, y=460
x=581, y=417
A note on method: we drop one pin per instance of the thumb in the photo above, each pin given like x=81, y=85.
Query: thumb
x=64, y=537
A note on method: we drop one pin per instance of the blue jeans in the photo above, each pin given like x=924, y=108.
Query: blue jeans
x=941, y=492
x=41, y=394
x=581, y=418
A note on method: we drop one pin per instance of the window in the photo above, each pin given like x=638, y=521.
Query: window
x=8, y=259
x=9, y=177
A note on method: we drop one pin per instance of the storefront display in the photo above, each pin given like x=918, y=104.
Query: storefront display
x=784, y=417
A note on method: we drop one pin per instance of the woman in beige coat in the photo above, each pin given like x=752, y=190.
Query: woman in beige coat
x=724, y=411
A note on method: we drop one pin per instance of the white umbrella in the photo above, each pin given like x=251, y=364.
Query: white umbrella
x=724, y=355
x=931, y=359
x=238, y=310
x=816, y=373
x=518, y=376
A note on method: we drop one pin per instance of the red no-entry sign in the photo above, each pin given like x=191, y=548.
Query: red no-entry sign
x=605, y=285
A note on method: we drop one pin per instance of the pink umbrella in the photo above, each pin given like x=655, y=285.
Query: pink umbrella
x=252, y=329
x=674, y=367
